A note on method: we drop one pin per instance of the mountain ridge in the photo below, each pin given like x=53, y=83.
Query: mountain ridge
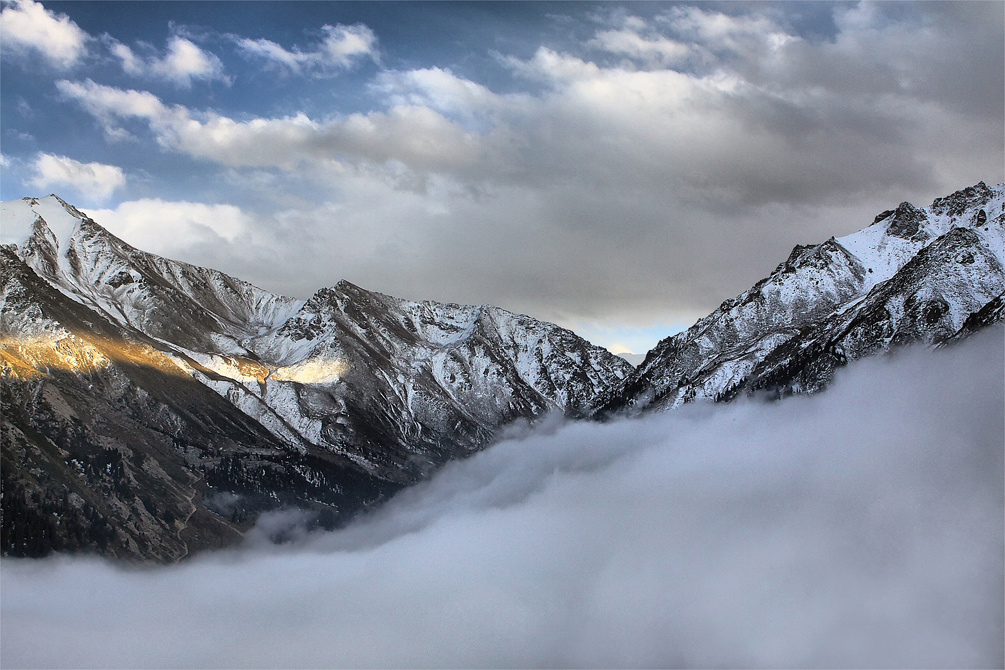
x=341, y=398
x=741, y=345
x=152, y=408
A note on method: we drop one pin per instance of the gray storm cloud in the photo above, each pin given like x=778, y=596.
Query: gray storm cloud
x=639, y=173
x=859, y=527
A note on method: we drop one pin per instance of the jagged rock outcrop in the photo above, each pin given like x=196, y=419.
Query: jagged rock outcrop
x=915, y=275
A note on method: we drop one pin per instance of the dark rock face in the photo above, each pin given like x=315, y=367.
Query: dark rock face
x=908, y=222
x=970, y=198
x=989, y=314
x=928, y=275
x=153, y=408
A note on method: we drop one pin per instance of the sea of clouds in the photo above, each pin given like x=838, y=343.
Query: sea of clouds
x=859, y=527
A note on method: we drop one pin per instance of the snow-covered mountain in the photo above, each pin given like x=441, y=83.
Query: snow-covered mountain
x=926, y=275
x=350, y=386
x=152, y=407
x=107, y=445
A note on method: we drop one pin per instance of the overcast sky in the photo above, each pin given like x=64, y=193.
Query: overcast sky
x=617, y=168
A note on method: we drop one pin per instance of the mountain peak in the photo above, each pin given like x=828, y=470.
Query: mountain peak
x=20, y=218
x=913, y=275
x=957, y=203
x=908, y=223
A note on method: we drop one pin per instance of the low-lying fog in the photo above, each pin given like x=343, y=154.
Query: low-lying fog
x=859, y=527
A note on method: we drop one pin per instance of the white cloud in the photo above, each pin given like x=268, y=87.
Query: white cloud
x=344, y=44
x=131, y=63
x=412, y=135
x=440, y=90
x=183, y=62
x=92, y=180
x=745, y=34
x=553, y=67
x=340, y=49
x=166, y=228
x=657, y=49
x=28, y=27
x=271, y=51
x=861, y=527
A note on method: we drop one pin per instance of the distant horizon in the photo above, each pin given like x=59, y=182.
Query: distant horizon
x=616, y=168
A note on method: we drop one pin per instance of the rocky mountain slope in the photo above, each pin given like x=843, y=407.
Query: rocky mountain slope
x=151, y=408
x=173, y=403
x=927, y=275
x=109, y=446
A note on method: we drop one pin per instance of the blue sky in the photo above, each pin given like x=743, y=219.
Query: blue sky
x=619, y=168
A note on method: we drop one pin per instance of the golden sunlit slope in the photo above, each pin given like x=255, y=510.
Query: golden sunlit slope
x=32, y=357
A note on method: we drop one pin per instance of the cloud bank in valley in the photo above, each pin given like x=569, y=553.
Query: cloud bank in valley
x=859, y=527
